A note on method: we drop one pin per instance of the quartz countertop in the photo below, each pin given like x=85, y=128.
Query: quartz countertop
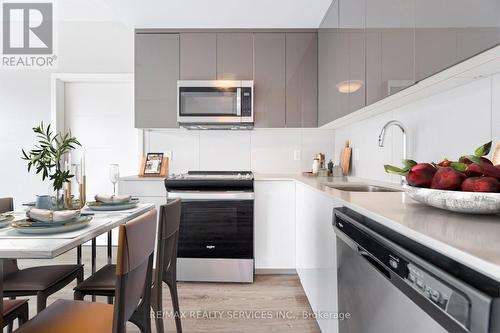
x=473, y=240
x=142, y=178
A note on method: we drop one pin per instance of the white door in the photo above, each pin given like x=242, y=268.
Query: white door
x=101, y=116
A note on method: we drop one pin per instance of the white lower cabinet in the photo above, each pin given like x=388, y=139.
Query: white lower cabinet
x=316, y=262
x=274, y=217
x=147, y=190
x=150, y=190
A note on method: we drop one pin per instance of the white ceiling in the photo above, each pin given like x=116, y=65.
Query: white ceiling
x=199, y=13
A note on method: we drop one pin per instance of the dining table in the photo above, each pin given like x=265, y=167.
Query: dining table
x=16, y=245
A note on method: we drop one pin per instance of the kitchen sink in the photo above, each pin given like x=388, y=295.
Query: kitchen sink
x=363, y=188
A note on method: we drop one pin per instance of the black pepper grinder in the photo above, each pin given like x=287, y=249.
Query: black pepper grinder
x=330, y=167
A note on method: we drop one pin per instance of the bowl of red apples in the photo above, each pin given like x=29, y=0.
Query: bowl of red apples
x=469, y=185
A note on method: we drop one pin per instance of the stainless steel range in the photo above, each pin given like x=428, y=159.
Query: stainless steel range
x=217, y=228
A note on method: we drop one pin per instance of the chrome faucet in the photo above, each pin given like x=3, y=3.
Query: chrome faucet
x=381, y=138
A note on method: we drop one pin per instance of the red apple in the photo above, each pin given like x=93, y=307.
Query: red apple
x=444, y=163
x=491, y=171
x=468, y=184
x=465, y=160
x=486, y=184
x=474, y=170
x=421, y=174
x=448, y=179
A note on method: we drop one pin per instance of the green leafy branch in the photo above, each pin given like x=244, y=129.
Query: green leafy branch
x=48, y=153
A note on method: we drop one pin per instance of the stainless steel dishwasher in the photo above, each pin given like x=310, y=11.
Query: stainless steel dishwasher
x=390, y=283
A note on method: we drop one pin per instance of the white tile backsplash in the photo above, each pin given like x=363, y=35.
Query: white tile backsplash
x=184, y=145
x=363, y=137
x=495, y=110
x=272, y=150
x=449, y=124
x=315, y=141
x=225, y=150
x=259, y=150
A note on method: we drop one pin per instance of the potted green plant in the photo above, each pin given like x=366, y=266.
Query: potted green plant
x=46, y=157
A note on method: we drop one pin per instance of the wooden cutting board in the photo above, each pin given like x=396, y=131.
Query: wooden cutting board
x=345, y=158
x=496, y=155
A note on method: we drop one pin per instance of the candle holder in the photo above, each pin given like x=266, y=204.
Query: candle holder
x=83, y=191
x=68, y=197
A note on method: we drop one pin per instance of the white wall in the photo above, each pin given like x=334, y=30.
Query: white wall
x=84, y=47
x=259, y=150
x=446, y=125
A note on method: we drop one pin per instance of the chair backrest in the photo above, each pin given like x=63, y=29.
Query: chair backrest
x=134, y=262
x=6, y=205
x=9, y=265
x=168, y=235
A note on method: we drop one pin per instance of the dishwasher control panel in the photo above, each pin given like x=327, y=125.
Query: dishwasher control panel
x=446, y=298
x=428, y=286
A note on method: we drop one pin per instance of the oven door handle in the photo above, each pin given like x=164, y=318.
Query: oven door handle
x=195, y=195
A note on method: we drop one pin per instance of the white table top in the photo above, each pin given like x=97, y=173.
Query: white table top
x=18, y=246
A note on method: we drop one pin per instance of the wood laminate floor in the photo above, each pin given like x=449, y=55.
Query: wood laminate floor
x=273, y=303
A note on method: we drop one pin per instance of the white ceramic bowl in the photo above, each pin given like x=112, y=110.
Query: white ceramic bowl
x=457, y=201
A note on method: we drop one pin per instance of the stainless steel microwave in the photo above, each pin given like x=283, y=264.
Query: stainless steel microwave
x=217, y=104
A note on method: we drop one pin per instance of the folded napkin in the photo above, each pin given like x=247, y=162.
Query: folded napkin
x=112, y=199
x=45, y=215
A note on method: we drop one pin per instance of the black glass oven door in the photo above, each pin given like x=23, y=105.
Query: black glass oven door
x=216, y=229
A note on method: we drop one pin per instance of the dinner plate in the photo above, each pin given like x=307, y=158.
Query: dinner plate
x=6, y=217
x=115, y=201
x=5, y=220
x=99, y=206
x=36, y=223
x=28, y=227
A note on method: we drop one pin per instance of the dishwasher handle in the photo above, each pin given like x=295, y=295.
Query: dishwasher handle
x=374, y=262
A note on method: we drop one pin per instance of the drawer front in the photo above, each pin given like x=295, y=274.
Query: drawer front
x=145, y=188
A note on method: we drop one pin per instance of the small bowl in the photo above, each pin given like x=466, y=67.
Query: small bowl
x=456, y=201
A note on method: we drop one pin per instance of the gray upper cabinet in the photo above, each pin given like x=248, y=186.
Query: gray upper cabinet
x=334, y=71
x=269, y=77
x=342, y=70
x=234, y=56
x=386, y=46
x=282, y=63
x=156, y=75
x=389, y=48
x=301, y=79
x=198, y=56
x=450, y=31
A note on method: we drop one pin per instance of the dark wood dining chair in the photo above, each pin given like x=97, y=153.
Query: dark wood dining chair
x=15, y=309
x=41, y=281
x=102, y=284
x=133, y=282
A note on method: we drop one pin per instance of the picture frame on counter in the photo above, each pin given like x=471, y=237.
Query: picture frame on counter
x=154, y=165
